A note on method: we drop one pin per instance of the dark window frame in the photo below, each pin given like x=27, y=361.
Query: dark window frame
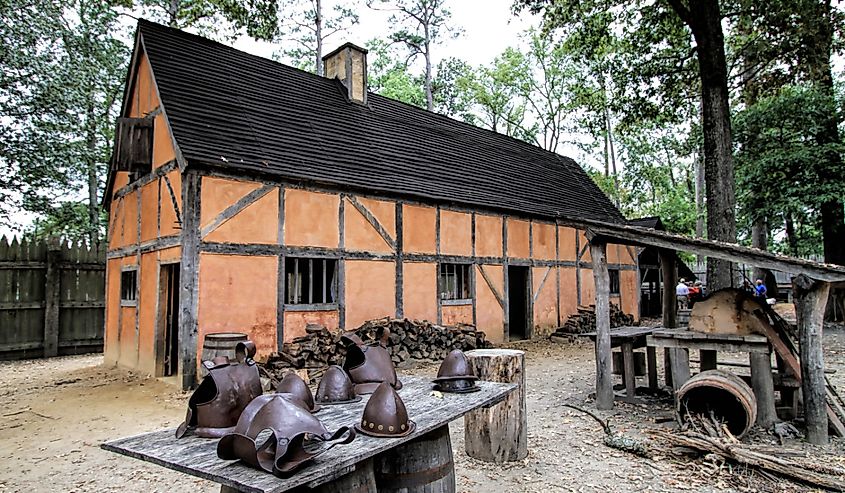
x=613, y=276
x=454, y=284
x=129, y=297
x=311, y=283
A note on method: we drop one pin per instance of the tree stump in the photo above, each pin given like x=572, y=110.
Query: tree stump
x=500, y=433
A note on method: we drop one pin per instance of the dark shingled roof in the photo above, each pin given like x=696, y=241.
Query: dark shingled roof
x=243, y=112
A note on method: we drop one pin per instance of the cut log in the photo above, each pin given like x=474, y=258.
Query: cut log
x=500, y=433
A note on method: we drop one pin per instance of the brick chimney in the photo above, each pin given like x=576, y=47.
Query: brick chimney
x=349, y=64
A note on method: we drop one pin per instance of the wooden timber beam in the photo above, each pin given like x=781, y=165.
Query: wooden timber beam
x=229, y=212
x=373, y=221
x=604, y=377
x=490, y=285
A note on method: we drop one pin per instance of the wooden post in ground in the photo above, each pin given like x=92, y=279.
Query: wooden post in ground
x=675, y=361
x=52, y=290
x=604, y=369
x=810, y=298
x=764, y=390
x=499, y=433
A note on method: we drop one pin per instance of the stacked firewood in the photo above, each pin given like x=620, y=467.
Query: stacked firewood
x=409, y=339
x=585, y=320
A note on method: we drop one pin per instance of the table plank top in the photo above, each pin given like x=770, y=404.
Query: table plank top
x=198, y=456
x=707, y=336
x=625, y=332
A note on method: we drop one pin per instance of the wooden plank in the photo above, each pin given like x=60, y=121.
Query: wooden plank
x=666, y=342
x=52, y=286
x=604, y=370
x=198, y=456
x=189, y=279
x=230, y=212
x=628, y=371
x=651, y=361
x=373, y=221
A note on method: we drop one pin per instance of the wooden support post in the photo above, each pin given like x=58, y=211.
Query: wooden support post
x=707, y=359
x=52, y=290
x=630, y=374
x=604, y=370
x=499, y=433
x=651, y=360
x=810, y=298
x=669, y=271
x=189, y=278
x=679, y=366
x=764, y=389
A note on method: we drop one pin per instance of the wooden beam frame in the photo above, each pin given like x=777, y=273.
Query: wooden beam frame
x=604, y=369
x=373, y=221
x=230, y=212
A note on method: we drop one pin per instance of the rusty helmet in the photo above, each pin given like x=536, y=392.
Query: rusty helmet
x=336, y=388
x=455, y=374
x=385, y=415
x=295, y=435
x=294, y=384
x=369, y=365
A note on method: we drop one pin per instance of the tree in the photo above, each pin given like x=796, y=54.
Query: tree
x=388, y=75
x=658, y=25
x=307, y=27
x=56, y=105
x=423, y=24
x=217, y=17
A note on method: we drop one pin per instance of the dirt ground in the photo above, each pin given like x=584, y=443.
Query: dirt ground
x=56, y=413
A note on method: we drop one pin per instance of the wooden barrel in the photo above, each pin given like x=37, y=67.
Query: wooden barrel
x=222, y=344
x=724, y=394
x=361, y=480
x=423, y=465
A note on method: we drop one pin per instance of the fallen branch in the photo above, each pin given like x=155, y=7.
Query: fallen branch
x=617, y=440
x=829, y=478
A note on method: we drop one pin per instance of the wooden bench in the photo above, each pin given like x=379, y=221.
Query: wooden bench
x=198, y=456
x=628, y=339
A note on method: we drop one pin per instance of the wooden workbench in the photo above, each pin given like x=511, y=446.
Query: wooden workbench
x=628, y=339
x=198, y=456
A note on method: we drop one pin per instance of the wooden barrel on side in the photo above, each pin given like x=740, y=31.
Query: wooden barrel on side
x=423, y=465
x=723, y=394
x=222, y=344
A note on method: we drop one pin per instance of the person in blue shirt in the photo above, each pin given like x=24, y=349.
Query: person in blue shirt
x=760, y=290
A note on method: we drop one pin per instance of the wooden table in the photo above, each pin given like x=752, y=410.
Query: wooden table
x=628, y=339
x=680, y=341
x=198, y=456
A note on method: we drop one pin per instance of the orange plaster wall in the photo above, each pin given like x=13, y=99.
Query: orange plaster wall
x=567, y=250
x=419, y=285
x=238, y=294
x=628, y=286
x=170, y=254
x=360, y=235
x=149, y=211
x=163, y=149
x=568, y=293
x=128, y=340
x=257, y=223
x=488, y=236
x=143, y=101
x=295, y=322
x=455, y=233
x=545, y=306
x=518, y=246
x=169, y=225
x=490, y=316
x=370, y=291
x=111, y=349
x=544, y=241
x=148, y=280
x=613, y=254
x=130, y=225
x=116, y=219
x=418, y=229
x=588, y=287
x=456, y=314
x=311, y=218
x=219, y=193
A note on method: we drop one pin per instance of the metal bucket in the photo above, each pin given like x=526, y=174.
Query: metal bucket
x=222, y=344
x=724, y=394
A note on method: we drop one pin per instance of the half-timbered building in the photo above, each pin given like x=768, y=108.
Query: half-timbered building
x=249, y=196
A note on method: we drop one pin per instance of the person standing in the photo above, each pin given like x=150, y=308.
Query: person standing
x=682, y=294
x=760, y=290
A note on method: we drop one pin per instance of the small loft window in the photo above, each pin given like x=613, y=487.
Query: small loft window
x=133, y=147
x=310, y=281
x=614, y=280
x=129, y=287
x=454, y=282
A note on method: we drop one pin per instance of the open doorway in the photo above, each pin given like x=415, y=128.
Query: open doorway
x=168, y=304
x=518, y=304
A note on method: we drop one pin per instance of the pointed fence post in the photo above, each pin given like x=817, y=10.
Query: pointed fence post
x=52, y=291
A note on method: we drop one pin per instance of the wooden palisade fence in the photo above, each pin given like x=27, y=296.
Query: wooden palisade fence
x=52, y=298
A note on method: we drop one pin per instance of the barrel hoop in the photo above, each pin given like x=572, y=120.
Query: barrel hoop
x=414, y=479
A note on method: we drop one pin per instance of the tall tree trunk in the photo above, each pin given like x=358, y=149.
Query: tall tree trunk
x=705, y=21
x=817, y=47
x=173, y=13
x=789, y=229
x=612, y=153
x=318, y=33
x=429, y=98
x=91, y=165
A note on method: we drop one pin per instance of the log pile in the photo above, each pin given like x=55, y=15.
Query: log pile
x=585, y=320
x=409, y=340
